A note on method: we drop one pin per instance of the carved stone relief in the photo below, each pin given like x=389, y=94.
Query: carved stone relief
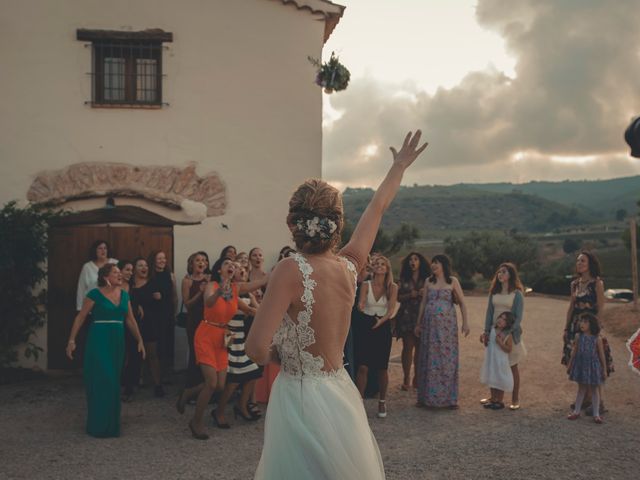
x=168, y=186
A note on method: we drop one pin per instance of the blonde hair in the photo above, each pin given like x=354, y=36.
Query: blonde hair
x=315, y=198
x=388, y=277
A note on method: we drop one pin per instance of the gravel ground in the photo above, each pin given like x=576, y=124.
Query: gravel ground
x=43, y=422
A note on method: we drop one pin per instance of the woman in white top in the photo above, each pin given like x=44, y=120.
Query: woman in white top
x=316, y=426
x=88, y=279
x=506, y=295
x=373, y=330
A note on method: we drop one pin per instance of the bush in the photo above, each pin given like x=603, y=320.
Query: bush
x=483, y=252
x=23, y=253
x=552, y=284
x=570, y=245
x=467, y=284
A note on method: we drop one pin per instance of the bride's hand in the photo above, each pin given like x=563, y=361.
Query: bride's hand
x=409, y=150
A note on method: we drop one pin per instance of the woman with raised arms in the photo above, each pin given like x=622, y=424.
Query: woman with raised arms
x=316, y=425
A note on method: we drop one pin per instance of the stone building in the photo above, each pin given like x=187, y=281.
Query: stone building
x=158, y=124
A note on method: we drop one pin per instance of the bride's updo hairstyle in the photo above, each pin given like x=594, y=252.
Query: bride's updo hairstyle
x=316, y=216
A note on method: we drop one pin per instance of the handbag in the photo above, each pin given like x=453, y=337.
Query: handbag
x=181, y=317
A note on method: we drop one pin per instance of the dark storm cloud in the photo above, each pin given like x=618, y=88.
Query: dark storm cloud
x=577, y=84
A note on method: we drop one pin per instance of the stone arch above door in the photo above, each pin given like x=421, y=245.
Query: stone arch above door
x=173, y=187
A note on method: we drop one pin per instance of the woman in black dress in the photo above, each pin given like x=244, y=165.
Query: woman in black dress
x=142, y=304
x=193, y=286
x=413, y=273
x=132, y=359
x=164, y=307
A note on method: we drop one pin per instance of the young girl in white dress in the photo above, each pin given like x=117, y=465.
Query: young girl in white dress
x=496, y=371
x=316, y=426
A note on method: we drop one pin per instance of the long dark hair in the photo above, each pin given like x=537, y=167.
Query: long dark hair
x=94, y=246
x=225, y=250
x=594, y=264
x=423, y=269
x=215, y=269
x=514, y=279
x=594, y=324
x=446, y=267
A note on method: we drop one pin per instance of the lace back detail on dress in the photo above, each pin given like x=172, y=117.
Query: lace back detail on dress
x=292, y=338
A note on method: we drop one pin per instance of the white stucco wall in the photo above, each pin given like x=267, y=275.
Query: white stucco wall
x=241, y=96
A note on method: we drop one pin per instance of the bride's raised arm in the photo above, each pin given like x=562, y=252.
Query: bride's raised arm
x=365, y=232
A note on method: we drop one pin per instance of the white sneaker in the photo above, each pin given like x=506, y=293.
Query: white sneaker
x=382, y=412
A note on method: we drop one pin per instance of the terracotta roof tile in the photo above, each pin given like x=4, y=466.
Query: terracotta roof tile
x=332, y=12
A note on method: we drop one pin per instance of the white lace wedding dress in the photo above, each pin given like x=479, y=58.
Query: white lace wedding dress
x=316, y=426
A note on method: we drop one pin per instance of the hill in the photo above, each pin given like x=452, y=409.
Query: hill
x=463, y=208
x=604, y=197
x=530, y=207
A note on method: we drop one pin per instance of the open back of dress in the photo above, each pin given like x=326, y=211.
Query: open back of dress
x=316, y=426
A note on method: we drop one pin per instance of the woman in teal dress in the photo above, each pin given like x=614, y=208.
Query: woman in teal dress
x=104, y=351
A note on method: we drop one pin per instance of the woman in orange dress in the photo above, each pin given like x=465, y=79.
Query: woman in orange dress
x=220, y=305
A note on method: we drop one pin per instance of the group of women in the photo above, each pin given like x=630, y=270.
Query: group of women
x=218, y=301
x=422, y=309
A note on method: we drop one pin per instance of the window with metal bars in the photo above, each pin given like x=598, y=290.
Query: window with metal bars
x=127, y=67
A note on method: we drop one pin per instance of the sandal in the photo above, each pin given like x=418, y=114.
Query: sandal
x=598, y=419
x=484, y=401
x=573, y=416
x=514, y=406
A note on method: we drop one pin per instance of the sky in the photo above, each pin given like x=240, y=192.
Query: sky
x=503, y=90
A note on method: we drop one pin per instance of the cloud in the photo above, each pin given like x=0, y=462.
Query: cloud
x=576, y=87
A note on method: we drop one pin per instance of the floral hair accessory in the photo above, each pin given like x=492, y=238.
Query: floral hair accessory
x=320, y=226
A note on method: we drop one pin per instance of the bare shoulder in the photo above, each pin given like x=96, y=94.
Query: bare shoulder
x=455, y=282
x=351, y=258
x=285, y=269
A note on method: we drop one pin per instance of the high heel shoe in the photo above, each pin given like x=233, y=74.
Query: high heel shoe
x=217, y=423
x=254, y=410
x=237, y=411
x=196, y=435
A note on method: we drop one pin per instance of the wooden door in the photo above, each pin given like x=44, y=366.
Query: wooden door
x=68, y=252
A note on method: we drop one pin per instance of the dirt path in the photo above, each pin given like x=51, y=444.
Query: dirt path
x=42, y=424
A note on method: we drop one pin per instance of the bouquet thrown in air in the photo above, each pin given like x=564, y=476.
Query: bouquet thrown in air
x=332, y=75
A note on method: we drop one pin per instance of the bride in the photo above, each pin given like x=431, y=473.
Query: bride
x=316, y=426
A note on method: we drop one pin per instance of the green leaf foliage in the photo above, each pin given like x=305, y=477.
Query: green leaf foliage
x=23, y=255
x=482, y=253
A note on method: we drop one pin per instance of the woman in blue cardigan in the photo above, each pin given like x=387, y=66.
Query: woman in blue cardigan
x=507, y=296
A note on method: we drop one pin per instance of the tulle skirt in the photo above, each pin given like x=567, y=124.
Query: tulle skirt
x=316, y=428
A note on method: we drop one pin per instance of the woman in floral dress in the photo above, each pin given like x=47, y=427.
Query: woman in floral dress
x=438, y=332
x=587, y=296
